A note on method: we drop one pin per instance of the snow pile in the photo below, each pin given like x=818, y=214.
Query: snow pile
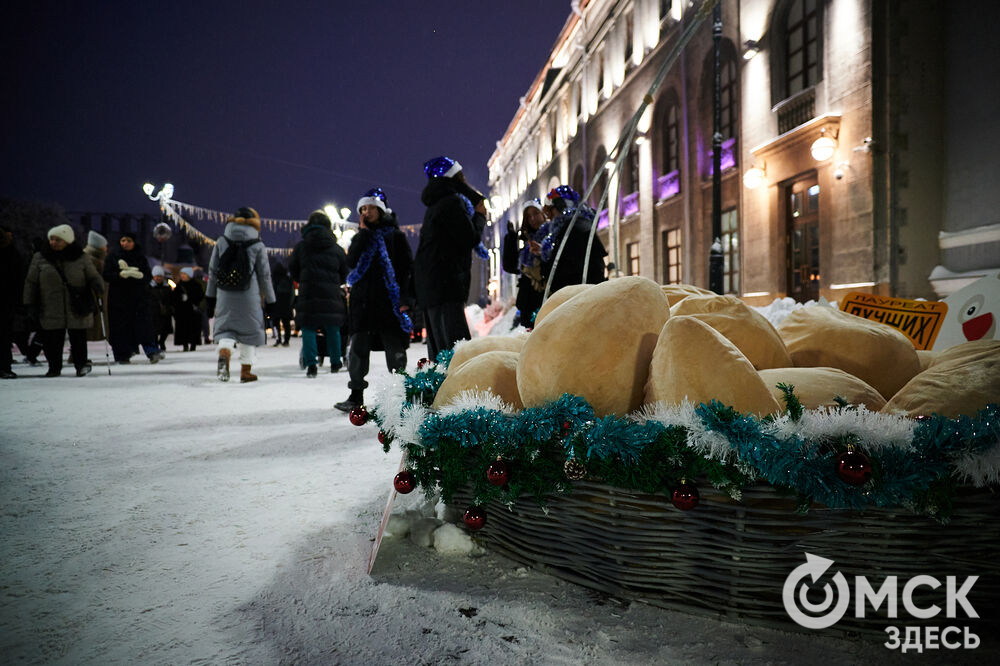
x=430, y=525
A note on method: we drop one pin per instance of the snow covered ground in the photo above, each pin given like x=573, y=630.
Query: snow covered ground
x=158, y=516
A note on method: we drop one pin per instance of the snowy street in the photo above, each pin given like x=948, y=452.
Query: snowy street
x=159, y=516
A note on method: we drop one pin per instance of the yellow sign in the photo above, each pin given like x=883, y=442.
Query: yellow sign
x=920, y=321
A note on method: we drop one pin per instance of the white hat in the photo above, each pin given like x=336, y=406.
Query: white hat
x=531, y=203
x=157, y=270
x=97, y=240
x=187, y=270
x=373, y=197
x=63, y=231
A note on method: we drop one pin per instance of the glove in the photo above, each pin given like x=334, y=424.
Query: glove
x=133, y=273
x=210, y=306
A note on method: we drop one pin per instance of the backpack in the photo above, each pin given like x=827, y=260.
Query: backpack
x=234, y=270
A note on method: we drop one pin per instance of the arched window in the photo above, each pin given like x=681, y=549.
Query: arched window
x=629, y=40
x=801, y=46
x=671, y=145
x=600, y=160
x=728, y=98
x=577, y=182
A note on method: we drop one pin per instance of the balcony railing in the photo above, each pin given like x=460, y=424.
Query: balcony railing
x=668, y=185
x=796, y=110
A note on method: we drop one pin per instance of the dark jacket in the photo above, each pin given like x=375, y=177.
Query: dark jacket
x=186, y=301
x=371, y=308
x=284, y=292
x=570, y=267
x=529, y=291
x=128, y=300
x=451, y=230
x=319, y=265
x=162, y=307
x=45, y=291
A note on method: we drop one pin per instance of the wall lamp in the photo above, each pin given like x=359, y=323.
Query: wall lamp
x=754, y=177
x=750, y=49
x=823, y=148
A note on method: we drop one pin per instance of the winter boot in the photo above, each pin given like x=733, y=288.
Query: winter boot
x=246, y=375
x=311, y=371
x=223, y=368
x=356, y=399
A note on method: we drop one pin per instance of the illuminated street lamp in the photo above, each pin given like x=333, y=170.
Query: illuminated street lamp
x=165, y=194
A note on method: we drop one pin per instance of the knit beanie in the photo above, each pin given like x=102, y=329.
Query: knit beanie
x=157, y=270
x=373, y=197
x=187, y=270
x=95, y=239
x=441, y=167
x=63, y=231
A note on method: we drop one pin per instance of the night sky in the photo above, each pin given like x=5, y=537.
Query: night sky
x=283, y=106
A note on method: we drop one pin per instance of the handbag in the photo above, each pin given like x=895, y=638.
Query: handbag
x=81, y=299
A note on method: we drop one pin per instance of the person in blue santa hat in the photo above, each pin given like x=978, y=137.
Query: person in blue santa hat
x=522, y=250
x=452, y=229
x=379, y=293
x=563, y=204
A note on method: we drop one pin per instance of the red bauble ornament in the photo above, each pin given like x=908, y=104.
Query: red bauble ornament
x=358, y=416
x=685, y=496
x=497, y=473
x=566, y=427
x=854, y=468
x=474, y=518
x=404, y=482
x=422, y=362
x=383, y=437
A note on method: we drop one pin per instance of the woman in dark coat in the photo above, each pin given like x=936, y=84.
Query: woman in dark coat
x=319, y=265
x=525, y=261
x=381, y=292
x=127, y=271
x=281, y=309
x=46, y=295
x=186, y=299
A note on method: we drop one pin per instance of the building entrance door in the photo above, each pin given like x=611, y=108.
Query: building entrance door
x=802, y=237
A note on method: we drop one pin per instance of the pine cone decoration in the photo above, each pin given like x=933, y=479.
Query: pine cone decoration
x=574, y=470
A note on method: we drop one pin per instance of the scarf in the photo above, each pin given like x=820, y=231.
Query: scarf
x=388, y=273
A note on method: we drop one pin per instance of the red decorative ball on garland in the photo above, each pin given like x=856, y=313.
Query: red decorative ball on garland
x=566, y=427
x=685, y=496
x=404, y=482
x=854, y=468
x=422, y=362
x=474, y=518
x=497, y=473
x=358, y=416
x=383, y=437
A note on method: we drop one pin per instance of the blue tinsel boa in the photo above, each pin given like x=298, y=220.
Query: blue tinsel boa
x=379, y=237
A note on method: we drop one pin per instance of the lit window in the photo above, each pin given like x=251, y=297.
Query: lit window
x=672, y=256
x=730, y=252
x=632, y=250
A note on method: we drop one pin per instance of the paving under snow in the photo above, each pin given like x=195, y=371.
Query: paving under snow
x=158, y=516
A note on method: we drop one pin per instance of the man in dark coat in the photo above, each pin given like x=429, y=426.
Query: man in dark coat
x=127, y=272
x=281, y=309
x=522, y=255
x=187, y=298
x=569, y=270
x=380, y=293
x=11, y=288
x=452, y=228
x=319, y=265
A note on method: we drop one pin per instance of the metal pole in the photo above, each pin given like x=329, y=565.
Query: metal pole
x=715, y=254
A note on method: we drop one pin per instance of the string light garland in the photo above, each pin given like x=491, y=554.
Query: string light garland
x=916, y=464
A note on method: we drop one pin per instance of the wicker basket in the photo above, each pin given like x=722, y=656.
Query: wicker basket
x=729, y=559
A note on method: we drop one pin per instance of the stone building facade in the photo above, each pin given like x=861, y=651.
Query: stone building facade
x=839, y=144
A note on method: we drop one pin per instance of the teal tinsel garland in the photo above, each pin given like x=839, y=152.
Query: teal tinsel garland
x=455, y=449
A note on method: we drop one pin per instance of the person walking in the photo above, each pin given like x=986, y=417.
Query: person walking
x=452, y=228
x=319, y=265
x=56, y=294
x=281, y=310
x=186, y=301
x=11, y=293
x=379, y=296
x=97, y=252
x=161, y=305
x=128, y=274
x=238, y=276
